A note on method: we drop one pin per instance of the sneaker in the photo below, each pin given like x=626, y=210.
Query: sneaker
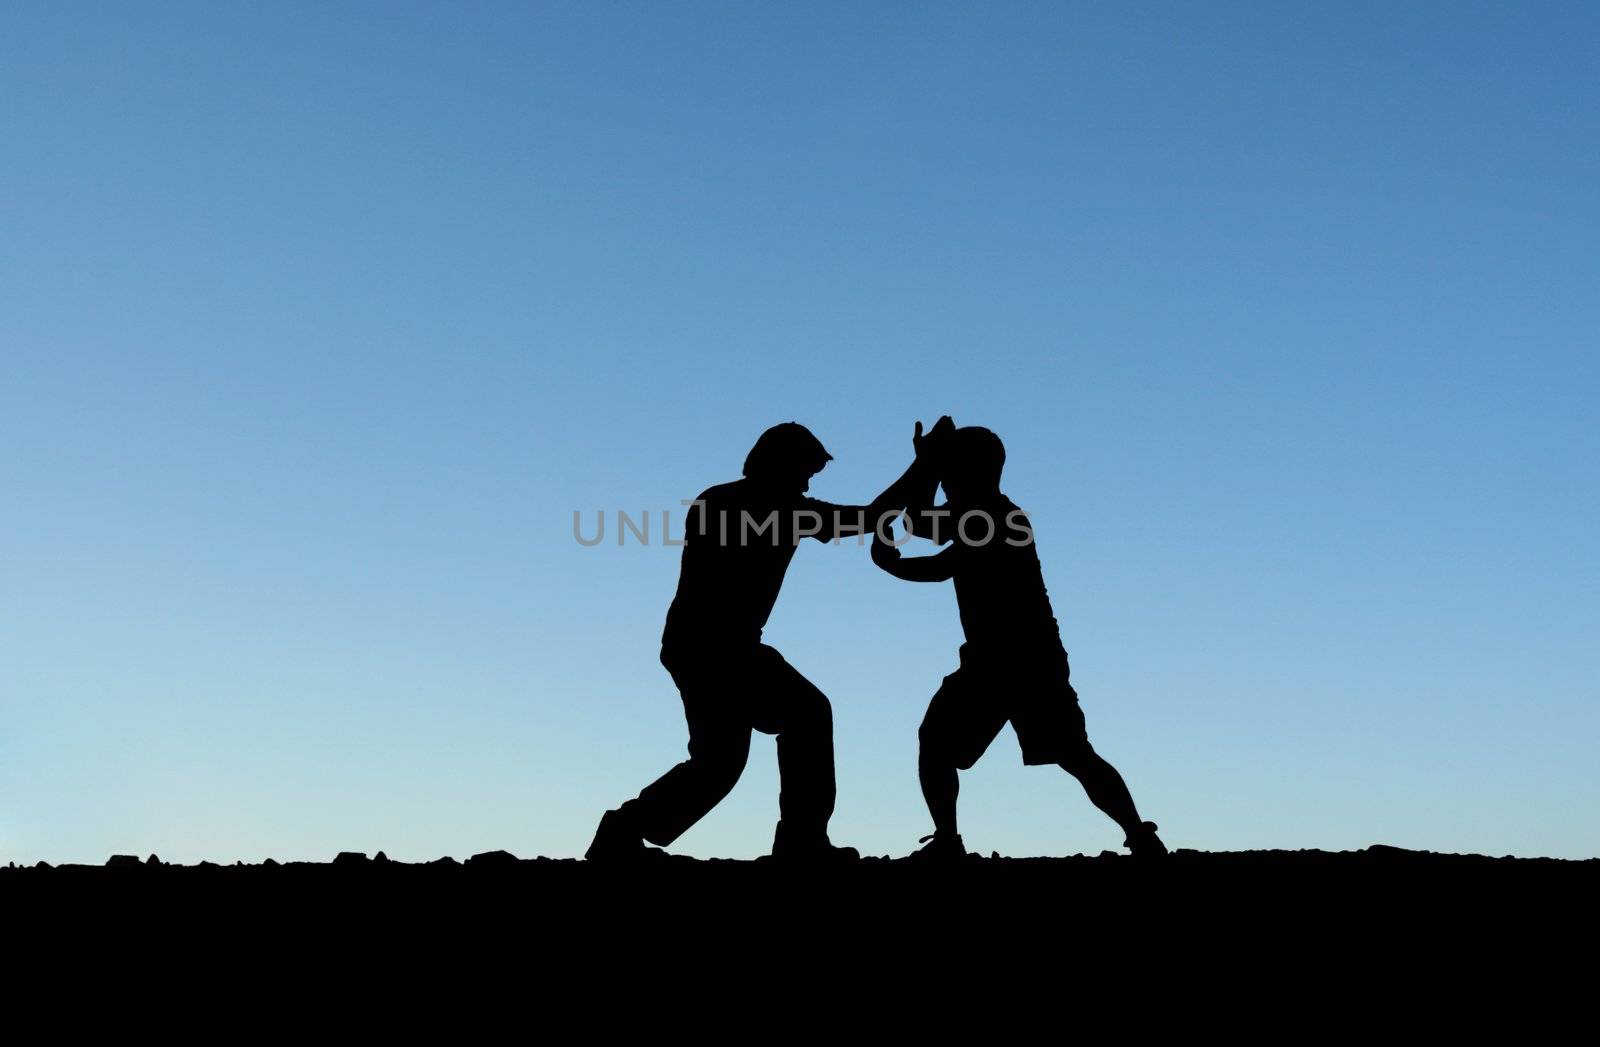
x=940, y=847
x=618, y=840
x=1144, y=843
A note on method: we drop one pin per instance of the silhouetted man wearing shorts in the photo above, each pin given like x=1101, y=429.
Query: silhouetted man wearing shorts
x=1013, y=666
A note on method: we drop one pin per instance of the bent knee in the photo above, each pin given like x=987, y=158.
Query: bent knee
x=715, y=754
x=719, y=773
x=939, y=748
x=1078, y=756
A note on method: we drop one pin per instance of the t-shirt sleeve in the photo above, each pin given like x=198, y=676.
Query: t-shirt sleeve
x=826, y=521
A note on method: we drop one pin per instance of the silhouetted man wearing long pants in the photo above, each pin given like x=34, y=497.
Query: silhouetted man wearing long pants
x=739, y=539
x=724, y=699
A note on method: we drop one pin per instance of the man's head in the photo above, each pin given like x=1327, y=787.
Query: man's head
x=786, y=457
x=971, y=462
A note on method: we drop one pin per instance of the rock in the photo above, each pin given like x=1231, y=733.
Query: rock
x=152, y=860
x=380, y=857
x=270, y=863
x=493, y=859
x=122, y=861
x=350, y=858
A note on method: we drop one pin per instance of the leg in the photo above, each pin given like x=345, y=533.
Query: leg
x=719, y=744
x=1100, y=780
x=1051, y=729
x=788, y=705
x=941, y=781
x=955, y=732
x=666, y=808
x=1109, y=792
x=1105, y=787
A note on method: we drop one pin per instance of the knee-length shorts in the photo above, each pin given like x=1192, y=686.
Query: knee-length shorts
x=1032, y=692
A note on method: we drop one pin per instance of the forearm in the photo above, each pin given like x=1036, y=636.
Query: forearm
x=915, y=486
x=926, y=521
x=914, y=493
x=916, y=569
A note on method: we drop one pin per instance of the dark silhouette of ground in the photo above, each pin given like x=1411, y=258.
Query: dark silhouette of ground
x=1217, y=901
x=1380, y=875
x=1286, y=938
x=1376, y=860
x=1378, y=943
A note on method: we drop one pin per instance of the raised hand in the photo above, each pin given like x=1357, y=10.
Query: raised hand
x=930, y=443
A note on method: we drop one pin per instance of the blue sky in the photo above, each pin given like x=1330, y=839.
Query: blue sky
x=318, y=322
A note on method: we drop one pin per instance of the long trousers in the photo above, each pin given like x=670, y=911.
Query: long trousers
x=727, y=694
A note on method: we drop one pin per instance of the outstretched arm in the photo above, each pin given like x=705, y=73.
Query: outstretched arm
x=914, y=488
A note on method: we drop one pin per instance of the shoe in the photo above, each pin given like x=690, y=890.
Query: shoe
x=618, y=840
x=939, y=847
x=811, y=847
x=1144, y=843
x=826, y=852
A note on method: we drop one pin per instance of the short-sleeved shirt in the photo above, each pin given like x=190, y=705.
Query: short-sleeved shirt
x=739, y=539
x=999, y=584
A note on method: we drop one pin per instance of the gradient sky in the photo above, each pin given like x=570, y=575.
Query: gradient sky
x=319, y=321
